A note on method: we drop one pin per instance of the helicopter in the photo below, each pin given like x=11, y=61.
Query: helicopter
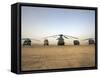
x=61, y=39
x=76, y=42
x=46, y=42
x=28, y=41
x=90, y=40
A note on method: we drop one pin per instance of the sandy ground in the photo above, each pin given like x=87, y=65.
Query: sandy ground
x=55, y=57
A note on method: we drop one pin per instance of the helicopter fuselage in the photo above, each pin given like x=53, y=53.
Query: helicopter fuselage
x=27, y=42
x=91, y=41
x=46, y=42
x=61, y=41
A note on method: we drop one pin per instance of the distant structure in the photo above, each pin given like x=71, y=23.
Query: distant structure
x=46, y=42
x=76, y=42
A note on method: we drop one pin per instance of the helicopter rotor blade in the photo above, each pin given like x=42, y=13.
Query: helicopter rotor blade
x=30, y=39
x=24, y=38
x=71, y=36
x=66, y=37
x=89, y=39
x=85, y=39
x=35, y=39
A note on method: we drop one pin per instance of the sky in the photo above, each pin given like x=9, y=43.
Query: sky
x=39, y=22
